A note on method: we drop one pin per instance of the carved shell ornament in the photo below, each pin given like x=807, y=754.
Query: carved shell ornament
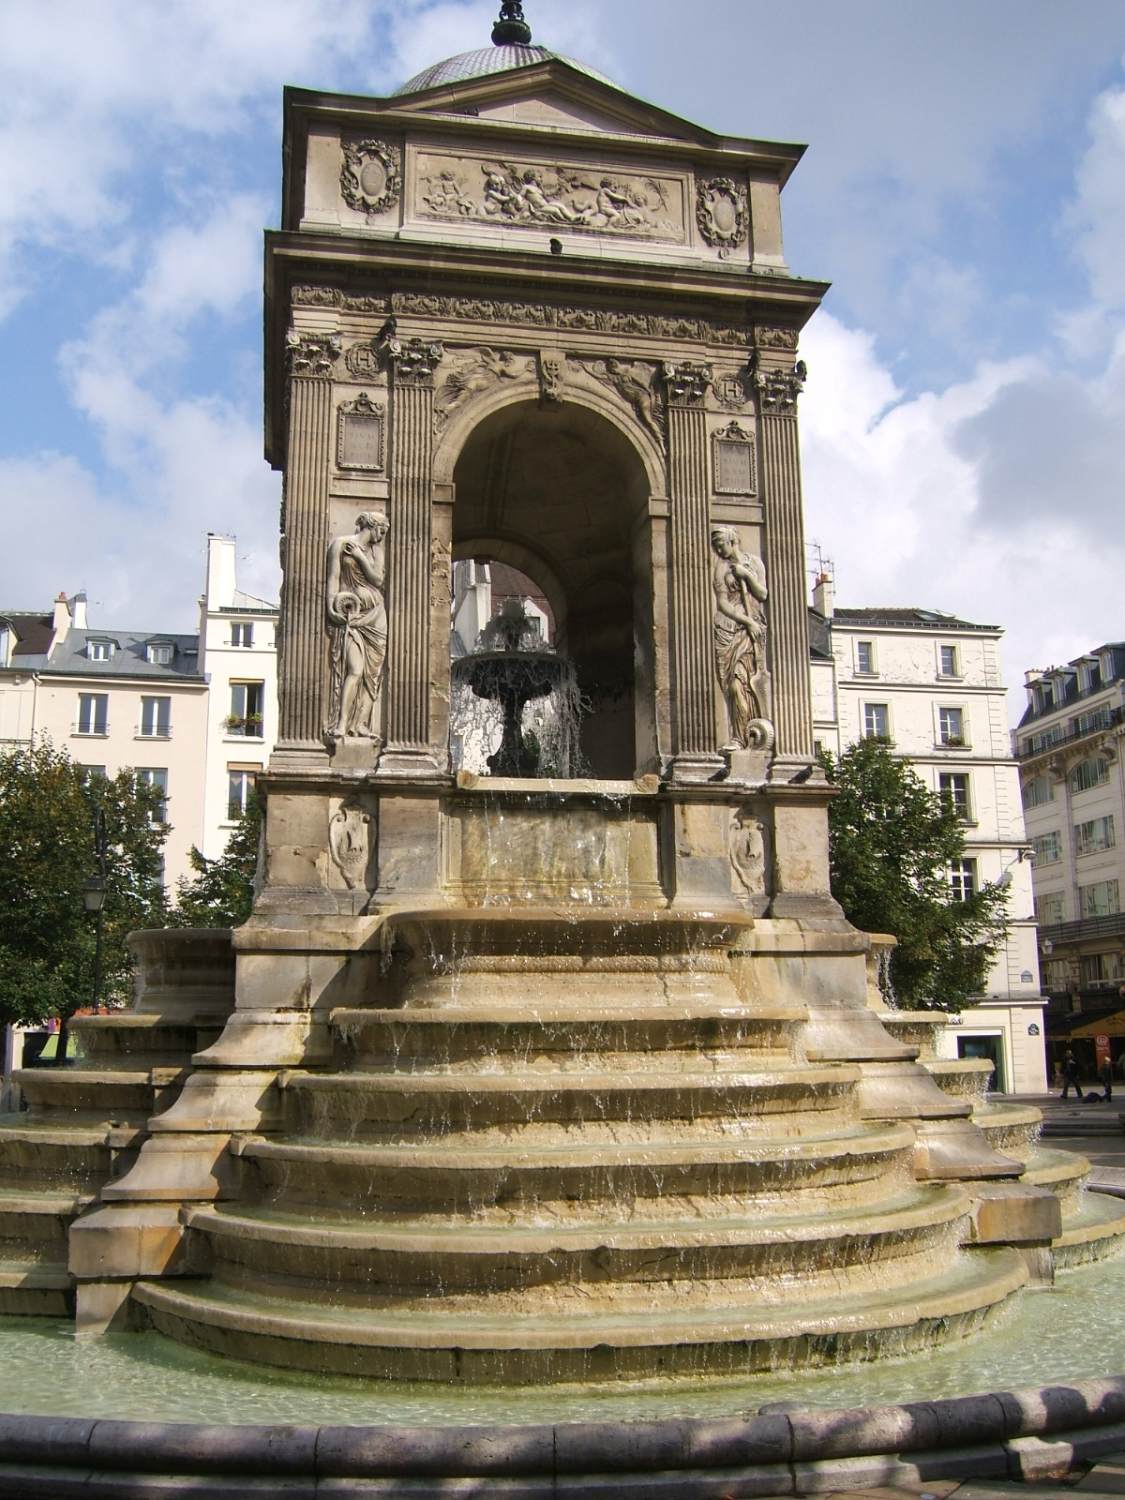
x=371, y=179
x=722, y=214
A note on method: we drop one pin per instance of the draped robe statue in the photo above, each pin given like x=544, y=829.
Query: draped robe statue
x=739, y=582
x=356, y=608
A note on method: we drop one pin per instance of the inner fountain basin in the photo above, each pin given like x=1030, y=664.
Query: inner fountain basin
x=1069, y=1333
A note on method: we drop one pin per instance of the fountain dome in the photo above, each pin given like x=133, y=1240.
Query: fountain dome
x=485, y=61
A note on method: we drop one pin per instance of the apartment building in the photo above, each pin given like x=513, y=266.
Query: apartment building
x=194, y=715
x=930, y=685
x=1069, y=747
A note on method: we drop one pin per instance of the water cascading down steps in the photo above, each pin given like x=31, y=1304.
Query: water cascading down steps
x=554, y=1150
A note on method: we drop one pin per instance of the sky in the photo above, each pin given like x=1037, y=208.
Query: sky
x=964, y=191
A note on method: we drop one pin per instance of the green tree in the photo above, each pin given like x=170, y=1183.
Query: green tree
x=222, y=890
x=49, y=810
x=892, y=844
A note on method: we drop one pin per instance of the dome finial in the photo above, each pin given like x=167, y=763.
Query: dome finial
x=511, y=29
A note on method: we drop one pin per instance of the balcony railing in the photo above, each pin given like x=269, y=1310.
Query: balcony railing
x=1115, y=717
x=1079, y=932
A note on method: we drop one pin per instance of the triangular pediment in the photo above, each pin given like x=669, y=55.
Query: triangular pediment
x=559, y=94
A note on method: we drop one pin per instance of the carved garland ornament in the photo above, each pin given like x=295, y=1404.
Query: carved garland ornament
x=722, y=214
x=371, y=177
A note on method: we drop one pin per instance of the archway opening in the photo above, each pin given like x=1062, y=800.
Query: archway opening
x=559, y=495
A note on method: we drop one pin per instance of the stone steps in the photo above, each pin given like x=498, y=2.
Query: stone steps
x=35, y=1288
x=418, y=1106
x=455, y=1176
x=1092, y=1232
x=408, y=1260
x=355, y=1340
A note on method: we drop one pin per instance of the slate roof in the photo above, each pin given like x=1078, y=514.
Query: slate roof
x=128, y=660
x=33, y=634
x=910, y=617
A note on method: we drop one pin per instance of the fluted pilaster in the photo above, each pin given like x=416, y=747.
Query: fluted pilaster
x=778, y=390
x=695, y=756
x=303, y=645
x=410, y=551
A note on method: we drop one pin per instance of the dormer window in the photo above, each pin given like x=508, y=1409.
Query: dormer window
x=5, y=646
x=159, y=653
x=99, y=650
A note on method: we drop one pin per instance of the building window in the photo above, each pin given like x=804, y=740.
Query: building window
x=240, y=784
x=1037, y=791
x=156, y=776
x=963, y=879
x=865, y=658
x=1099, y=900
x=1094, y=836
x=1050, y=910
x=160, y=653
x=948, y=655
x=90, y=773
x=876, y=721
x=1047, y=848
x=156, y=718
x=1101, y=969
x=1097, y=718
x=1088, y=774
x=242, y=633
x=951, y=726
x=99, y=650
x=953, y=789
x=245, y=716
x=93, y=713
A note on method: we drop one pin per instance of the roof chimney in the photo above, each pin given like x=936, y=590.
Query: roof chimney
x=824, y=595
x=62, y=620
x=78, y=604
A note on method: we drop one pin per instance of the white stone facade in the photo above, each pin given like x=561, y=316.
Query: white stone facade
x=1069, y=747
x=158, y=702
x=931, y=685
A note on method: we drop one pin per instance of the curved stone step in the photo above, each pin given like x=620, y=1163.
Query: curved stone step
x=963, y=1077
x=89, y=1094
x=35, y=1289
x=36, y=1154
x=132, y=1039
x=34, y=1224
x=581, y=1036
x=573, y=1345
x=1063, y=1172
x=417, y=1105
x=1011, y=1128
x=660, y=1258
x=452, y=1176
x=1094, y=1230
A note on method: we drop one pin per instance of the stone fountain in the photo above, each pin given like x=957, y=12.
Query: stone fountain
x=553, y=1079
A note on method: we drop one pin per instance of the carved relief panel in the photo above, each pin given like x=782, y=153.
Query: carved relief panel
x=733, y=459
x=722, y=213
x=459, y=187
x=371, y=176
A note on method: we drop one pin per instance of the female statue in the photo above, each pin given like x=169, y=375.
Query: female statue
x=357, y=622
x=739, y=581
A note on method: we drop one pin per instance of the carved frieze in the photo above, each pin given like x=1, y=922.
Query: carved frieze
x=414, y=360
x=635, y=381
x=778, y=389
x=722, y=213
x=739, y=582
x=360, y=435
x=544, y=194
x=552, y=376
x=316, y=296
x=371, y=177
x=349, y=842
x=312, y=355
x=687, y=384
x=769, y=336
x=470, y=372
x=733, y=454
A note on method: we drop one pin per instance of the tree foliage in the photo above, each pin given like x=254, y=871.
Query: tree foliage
x=49, y=810
x=891, y=845
x=222, y=890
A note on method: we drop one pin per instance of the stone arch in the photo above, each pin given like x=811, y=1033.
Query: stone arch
x=461, y=424
x=562, y=492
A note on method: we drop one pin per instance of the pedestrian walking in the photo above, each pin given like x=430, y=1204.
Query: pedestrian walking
x=1105, y=1073
x=1070, y=1076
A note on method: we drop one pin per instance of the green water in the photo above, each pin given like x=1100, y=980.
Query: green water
x=1074, y=1331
